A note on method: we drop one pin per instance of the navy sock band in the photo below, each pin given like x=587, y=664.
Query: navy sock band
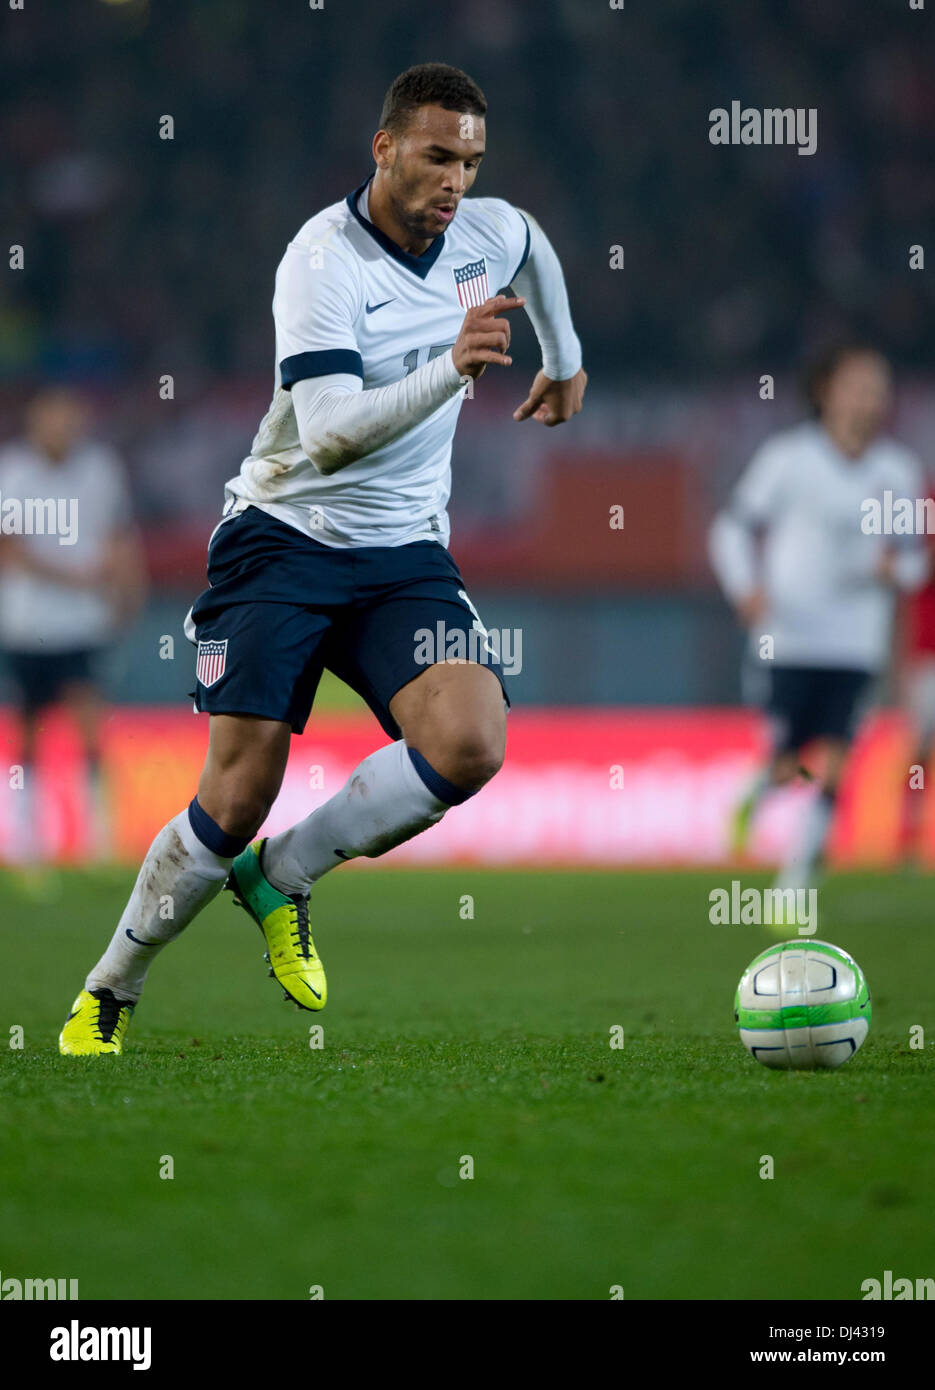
x=212, y=836
x=437, y=784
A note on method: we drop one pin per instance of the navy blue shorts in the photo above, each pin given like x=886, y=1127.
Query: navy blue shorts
x=41, y=677
x=282, y=607
x=813, y=702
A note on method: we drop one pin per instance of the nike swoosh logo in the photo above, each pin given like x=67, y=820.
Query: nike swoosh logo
x=372, y=308
x=138, y=941
x=307, y=986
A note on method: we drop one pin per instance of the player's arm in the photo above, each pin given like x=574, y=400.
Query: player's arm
x=339, y=422
x=558, y=389
x=732, y=538
x=126, y=568
x=16, y=555
x=315, y=307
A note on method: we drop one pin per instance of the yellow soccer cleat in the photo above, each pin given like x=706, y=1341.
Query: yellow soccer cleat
x=283, y=920
x=97, y=1024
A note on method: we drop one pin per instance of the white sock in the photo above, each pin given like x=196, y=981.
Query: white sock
x=807, y=855
x=178, y=878
x=758, y=789
x=383, y=803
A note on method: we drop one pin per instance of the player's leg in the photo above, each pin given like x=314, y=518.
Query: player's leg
x=27, y=834
x=804, y=865
x=781, y=769
x=777, y=691
x=243, y=771
x=833, y=708
x=83, y=700
x=256, y=673
x=410, y=613
x=28, y=674
x=189, y=860
x=451, y=713
x=237, y=789
x=260, y=651
x=453, y=723
x=185, y=867
x=454, y=718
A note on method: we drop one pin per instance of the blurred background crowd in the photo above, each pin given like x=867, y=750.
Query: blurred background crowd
x=145, y=253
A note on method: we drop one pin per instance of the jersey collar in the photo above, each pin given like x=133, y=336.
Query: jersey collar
x=419, y=265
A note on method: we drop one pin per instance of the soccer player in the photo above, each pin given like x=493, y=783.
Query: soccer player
x=71, y=572
x=817, y=594
x=332, y=547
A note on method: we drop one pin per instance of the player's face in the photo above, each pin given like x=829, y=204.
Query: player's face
x=55, y=422
x=431, y=165
x=858, y=397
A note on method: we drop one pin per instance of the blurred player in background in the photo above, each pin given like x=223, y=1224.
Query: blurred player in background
x=918, y=693
x=813, y=585
x=71, y=573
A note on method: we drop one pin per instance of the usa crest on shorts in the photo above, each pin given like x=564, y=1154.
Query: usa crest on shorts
x=471, y=280
x=212, y=662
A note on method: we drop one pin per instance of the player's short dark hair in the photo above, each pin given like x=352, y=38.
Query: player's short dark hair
x=430, y=84
x=826, y=362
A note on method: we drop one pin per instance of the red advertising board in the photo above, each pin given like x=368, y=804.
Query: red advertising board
x=601, y=787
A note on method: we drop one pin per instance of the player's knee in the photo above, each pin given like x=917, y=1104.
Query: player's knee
x=473, y=756
x=244, y=815
x=237, y=808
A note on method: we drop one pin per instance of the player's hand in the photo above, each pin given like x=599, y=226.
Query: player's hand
x=752, y=608
x=484, y=337
x=551, y=402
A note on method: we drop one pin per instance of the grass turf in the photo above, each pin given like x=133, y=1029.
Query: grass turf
x=296, y=1167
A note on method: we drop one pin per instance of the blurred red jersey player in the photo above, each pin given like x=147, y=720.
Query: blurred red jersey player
x=919, y=701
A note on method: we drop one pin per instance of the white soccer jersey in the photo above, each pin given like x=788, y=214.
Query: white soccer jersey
x=88, y=497
x=351, y=303
x=826, y=605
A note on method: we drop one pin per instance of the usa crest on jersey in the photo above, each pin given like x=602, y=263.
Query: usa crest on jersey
x=471, y=280
x=212, y=662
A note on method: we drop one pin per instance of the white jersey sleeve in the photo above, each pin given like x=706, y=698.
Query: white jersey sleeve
x=315, y=305
x=759, y=491
x=340, y=423
x=731, y=540
x=112, y=491
x=541, y=282
x=911, y=560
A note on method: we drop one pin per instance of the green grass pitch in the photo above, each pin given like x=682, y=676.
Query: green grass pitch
x=444, y=1038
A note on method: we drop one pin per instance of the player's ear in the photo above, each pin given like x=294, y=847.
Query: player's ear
x=382, y=149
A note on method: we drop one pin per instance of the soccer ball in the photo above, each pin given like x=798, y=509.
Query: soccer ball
x=802, y=1005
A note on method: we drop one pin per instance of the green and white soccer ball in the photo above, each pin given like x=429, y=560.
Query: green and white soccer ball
x=802, y=1005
